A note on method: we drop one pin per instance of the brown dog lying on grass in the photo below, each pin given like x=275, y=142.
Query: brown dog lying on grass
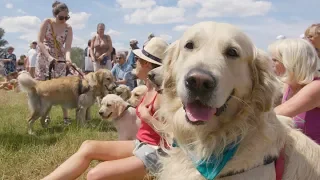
x=68, y=92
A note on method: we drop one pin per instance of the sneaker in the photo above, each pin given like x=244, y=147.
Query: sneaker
x=67, y=121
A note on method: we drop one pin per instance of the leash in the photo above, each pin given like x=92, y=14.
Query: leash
x=52, y=67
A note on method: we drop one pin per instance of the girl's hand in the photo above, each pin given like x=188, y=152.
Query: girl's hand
x=145, y=112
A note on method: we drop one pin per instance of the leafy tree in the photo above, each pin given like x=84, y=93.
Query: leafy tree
x=77, y=56
x=3, y=42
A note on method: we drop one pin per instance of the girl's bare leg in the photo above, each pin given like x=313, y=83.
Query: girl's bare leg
x=91, y=150
x=130, y=168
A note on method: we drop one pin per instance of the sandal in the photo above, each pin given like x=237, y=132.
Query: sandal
x=67, y=121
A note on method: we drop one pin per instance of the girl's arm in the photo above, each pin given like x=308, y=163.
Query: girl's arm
x=110, y=49
x=68, y=44
x=306, y=99
x=41, y=35
x=91, y=49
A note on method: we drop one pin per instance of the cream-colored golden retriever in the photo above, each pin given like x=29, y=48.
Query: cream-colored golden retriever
x=122, y=114
x=69, y=92
x=218, y=90
x=137, y=94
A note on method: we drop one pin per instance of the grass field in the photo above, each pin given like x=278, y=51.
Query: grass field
x=25, y=157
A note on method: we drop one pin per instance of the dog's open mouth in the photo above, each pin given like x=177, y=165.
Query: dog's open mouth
x=197, y=113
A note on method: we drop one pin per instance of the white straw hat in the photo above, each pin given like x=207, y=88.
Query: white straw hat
x=153, y=52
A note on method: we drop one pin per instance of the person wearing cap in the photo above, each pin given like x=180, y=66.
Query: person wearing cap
x=124, y=159
x=150, y=36
x=32, y=58
x=131, y=60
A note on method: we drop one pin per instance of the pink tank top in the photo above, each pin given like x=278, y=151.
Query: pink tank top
x=308, y=122
x=146, y=133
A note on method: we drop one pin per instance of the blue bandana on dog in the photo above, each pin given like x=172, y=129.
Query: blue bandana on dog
x=211, y=168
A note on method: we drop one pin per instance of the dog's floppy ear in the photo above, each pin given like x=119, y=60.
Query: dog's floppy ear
x=121, y=105
x=264, y=82
x=99, y=76
x=172, y=53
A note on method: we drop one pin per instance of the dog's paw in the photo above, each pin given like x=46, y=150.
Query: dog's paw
x=30, y=132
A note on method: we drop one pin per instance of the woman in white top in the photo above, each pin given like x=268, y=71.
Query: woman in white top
x=88, y=63
x=32, y=58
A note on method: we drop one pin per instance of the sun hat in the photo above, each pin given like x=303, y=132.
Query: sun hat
x=153, y=52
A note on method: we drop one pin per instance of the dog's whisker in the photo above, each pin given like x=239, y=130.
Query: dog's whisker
x=243, y=102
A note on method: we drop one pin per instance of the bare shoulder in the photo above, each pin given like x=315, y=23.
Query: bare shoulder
x=46, y=21
x=69, y=26
x=107, y=36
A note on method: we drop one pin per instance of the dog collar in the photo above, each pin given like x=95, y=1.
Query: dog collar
x=211, y=168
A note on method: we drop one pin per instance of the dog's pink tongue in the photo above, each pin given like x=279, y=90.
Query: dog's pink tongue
x=199, y=112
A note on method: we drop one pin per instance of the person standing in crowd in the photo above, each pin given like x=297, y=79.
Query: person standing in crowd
x=131, y=58
x=122, y=71
x=101, y=49
x=54, y=43
x=295, y=62
x=9, y=61
x=151, y=35
x=88, y=63
x=21, y=63
x=313, y=35
x=113, y=56
x=32, y=58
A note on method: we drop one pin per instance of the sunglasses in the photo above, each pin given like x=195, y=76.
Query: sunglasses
x=64, y=18
x=34, y=43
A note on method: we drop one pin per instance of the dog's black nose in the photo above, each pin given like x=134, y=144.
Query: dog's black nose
x=151, y=76
x=100, y=113
x=200, y=81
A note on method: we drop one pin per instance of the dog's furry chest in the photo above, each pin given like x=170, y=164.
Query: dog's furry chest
x=127, y=126
x=179, y=166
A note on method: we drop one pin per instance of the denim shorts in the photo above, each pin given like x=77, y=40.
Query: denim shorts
x=149, y=155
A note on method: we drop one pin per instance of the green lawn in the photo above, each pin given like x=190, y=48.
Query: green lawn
x=32, y=157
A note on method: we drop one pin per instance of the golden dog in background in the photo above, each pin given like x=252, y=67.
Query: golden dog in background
x=69, y=92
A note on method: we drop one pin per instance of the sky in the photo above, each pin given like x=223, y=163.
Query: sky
x=261, y=20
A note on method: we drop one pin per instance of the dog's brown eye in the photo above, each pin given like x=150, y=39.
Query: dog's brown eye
x=108, y=79
x=189, y=45
x=232, y=52
x=136, y=94
x=108, y=105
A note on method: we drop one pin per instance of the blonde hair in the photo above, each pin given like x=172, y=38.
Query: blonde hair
x=298, y=57
x=313, y=30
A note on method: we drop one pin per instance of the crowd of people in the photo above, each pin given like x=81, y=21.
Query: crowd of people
x=294, y=61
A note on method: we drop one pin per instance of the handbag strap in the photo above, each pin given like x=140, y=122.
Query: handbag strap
x=55, y=41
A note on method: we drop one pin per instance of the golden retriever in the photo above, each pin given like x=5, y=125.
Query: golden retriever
x=155, y=77
x=218, y=90
x=123, y=91
x=122, y=114
x=69, y=92
x=137, y=94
